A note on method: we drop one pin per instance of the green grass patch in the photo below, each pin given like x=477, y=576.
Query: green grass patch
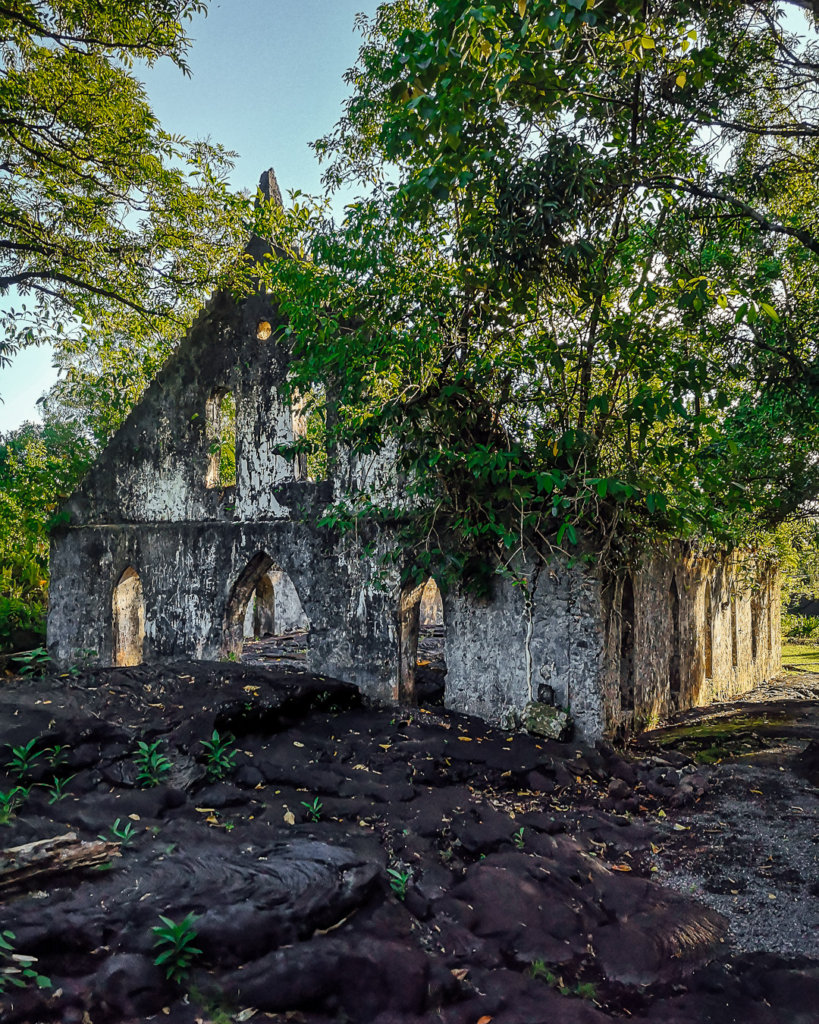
x=720, y=728
x=801, y=656
x=715, y=740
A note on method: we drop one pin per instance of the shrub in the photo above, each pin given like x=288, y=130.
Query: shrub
x=18, y=615
x=800, y=627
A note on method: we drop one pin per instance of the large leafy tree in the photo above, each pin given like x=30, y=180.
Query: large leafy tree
x=111, y=233
x=579, y=290
x=108, y=224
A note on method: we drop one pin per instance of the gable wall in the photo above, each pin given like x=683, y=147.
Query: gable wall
x=154, y=469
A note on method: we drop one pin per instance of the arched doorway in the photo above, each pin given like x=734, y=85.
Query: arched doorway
x=264, y=619
x=421, y=640
x=128, y=608
x=260, y=617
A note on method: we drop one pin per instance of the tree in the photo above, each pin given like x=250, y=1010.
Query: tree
x=579, y=295
x=112, y=231
x=110, y=226
x=39, y=467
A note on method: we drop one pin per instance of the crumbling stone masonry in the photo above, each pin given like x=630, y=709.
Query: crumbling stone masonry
x=166, y=544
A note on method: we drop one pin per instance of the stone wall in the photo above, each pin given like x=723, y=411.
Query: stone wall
x=705, y=628
x=542, y=641
x=188, y=574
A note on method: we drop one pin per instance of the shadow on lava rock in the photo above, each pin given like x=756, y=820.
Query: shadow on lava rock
x=331, y=860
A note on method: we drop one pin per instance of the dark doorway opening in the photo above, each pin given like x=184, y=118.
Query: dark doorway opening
x=265, y=623
x=627, y=647
x=674, y=661
x=422, y=641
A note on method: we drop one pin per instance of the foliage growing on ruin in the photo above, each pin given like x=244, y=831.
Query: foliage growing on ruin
x=578, y=293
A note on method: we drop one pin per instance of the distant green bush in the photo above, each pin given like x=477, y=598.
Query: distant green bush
x=804, y=627
x=17, y=614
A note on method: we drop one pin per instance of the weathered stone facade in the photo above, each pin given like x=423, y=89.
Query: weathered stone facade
x=696, y=627
x=159, y=557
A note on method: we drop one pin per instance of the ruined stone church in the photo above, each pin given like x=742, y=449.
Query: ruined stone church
x=168, y=551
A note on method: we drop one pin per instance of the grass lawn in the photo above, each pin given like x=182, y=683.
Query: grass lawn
x=804, y=656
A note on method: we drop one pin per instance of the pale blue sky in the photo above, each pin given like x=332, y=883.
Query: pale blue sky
x=266, y=81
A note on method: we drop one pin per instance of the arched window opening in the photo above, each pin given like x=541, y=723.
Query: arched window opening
x=734, y=639
x=265, y=622
x=708, y=638
x=309, y=412
x=674, y=661
x=627, y=646
x=422, y=641
x=129, y=619
x=220, y=420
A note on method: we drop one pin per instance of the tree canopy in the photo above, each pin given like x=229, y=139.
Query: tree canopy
x=578, y=292
x=112, y=233
x=110, y=225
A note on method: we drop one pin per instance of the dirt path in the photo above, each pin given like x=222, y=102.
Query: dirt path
x=752, y=851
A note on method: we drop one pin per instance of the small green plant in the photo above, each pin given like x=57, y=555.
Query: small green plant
x=220, y=755
x=313, y=809
x=583, y=989
x=399, y=880
x=56, y=755
x=83, y=659
x=177, y=942
x=56, y=789
x=10, y=801
x=16, y=969
x=517, y=838
x=23, y=758
x=152, y=764
x=124, y=835
x=34, y=663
